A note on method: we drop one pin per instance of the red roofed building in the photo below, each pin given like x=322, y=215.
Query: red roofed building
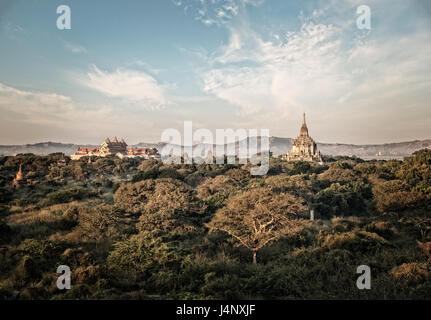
x=117, y=148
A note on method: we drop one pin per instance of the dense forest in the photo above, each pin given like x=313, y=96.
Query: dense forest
x=140, y=229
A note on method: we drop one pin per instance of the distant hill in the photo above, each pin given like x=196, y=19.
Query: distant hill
x=277, y=146
x=42, y=148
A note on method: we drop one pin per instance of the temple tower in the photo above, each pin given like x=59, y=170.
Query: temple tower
x=304, y=148
x=19, y=179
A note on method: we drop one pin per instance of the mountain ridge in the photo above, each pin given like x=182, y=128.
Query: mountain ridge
x=278, y=146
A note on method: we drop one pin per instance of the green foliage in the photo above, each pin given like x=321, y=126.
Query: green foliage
x=396, y=196
x=100, y=222
x=301, y=167
x=140, y=256
x=144, y=175
x=416, y=171
x=356, y=241
x=258, y=217
x=343, y=200
x=189, y=231
x=65, y=195
x=164, y=205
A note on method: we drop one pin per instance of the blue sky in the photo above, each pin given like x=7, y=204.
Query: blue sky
x=134, y=68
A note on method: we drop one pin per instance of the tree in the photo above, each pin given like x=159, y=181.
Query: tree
x=139, y=256
x=416, y=171
x=164, y=205
x=100, y=222
x=258, y=216
x=396, y=196
x=220, y=184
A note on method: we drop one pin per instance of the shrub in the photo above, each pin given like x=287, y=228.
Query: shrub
x=221, y=184
x=354, y=241
x=410, y=273
x=27, y=269
x=144, y=175
x=139, y=255
x=76, y=257
x=383, y=229
x=65, y=195
x=416, y=171
x=100, y=222
x=301, y=167
x=395, y=196
x=149, y=164
x=164, y=205
x=343, y=200
x=167, y=172
x=194, y=179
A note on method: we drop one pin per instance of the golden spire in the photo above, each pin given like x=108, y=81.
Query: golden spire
x=304, y=129
x=19, y=174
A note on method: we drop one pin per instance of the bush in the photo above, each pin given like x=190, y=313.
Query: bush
x=220, y=184
x=164, y=205
x=139, y=256
x=416, y=171
x=27, y=269
x=361, y=241
x=100, y=222
x=395, y=196
x=383, y=229
x=144, y=175
x=411, y=273
x=65, y=195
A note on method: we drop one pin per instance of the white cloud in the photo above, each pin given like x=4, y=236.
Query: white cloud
x=34, y=107
x=31, y=116
x=324, y=67
x=279, y=75
x=131, y=85
x=75, y=48
x=214, y=12
x=47, y=109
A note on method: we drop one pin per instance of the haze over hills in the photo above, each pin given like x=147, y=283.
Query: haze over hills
x=277, y=146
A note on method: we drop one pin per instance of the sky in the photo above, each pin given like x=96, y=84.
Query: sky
x=134, y=68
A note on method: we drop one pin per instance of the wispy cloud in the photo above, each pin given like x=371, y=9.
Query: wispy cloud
x=326, y=66
x=34, y=116
x=278, y=75
x=214, y=12
x=131, y=85
x=34, y=107
x=75, y=48
x=26, y=109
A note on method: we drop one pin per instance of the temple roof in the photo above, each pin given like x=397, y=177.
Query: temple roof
x=304, y=129
x=19, y=175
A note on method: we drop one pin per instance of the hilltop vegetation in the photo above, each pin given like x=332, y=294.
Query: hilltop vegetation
x=131, y=228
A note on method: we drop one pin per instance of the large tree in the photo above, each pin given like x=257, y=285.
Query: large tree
x=259, y=216
x=164, y=205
